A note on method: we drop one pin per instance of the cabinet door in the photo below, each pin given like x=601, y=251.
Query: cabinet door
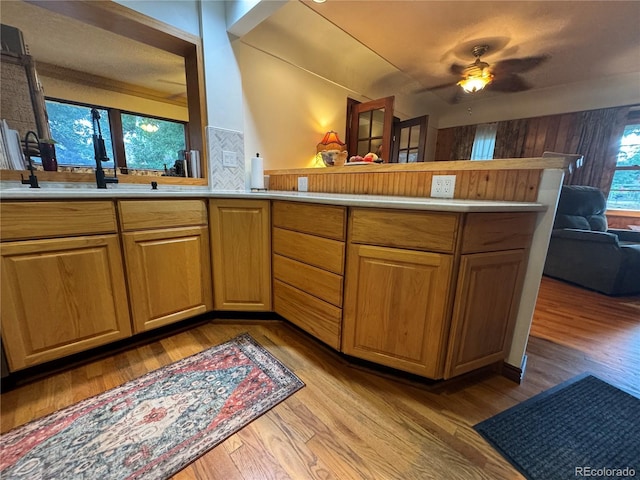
x=486, y=303
x=241, y=251
x=61, y=296
x=395, y=309
x=169, y=275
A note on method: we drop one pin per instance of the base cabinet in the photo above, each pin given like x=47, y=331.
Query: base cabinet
x=241, y=254
x=395, y=308
x=61, y=296
x=169, y=275
x=487, y=294
x=166, y=249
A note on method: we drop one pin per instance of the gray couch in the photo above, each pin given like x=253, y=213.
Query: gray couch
x=584, y=252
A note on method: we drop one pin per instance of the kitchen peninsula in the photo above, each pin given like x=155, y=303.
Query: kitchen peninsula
x=431, y=286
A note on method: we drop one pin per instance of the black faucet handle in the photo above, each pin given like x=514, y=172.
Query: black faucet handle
x=32, y=182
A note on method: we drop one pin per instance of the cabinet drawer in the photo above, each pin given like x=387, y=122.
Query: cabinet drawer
x=325, y=285
x=406, y=229
x=24, y=220
x=491, y=232
x=323, y=220
x=320, y=252
x=145, y=214
x=319, y=318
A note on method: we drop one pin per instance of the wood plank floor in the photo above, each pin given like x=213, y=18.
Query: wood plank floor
x=351, y=423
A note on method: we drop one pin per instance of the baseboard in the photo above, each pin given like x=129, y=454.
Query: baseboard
x=513, y=373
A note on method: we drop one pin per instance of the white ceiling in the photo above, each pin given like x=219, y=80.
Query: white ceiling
x=378, y=48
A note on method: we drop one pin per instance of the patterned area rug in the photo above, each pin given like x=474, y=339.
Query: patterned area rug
x=581, y=428
x=153, y=426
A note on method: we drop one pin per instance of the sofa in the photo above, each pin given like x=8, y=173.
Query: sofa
x=583, y=251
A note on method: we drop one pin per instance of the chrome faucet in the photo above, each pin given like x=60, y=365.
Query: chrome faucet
x=100, y=152
x=33, y=180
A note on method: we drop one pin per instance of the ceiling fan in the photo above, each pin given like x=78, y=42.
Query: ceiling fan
x=503, y=76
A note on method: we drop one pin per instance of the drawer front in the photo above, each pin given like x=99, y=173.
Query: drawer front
x=320, y=252
x=24, y=220
x=405, y=229
x=319, y=318
x=322, y=220
x=491, y=232
x=145, y=214
x=325, y=285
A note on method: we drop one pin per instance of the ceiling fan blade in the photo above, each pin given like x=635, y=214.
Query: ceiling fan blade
x=435, y=87
x=457, y=69
x=517, y=65
x=508, y=84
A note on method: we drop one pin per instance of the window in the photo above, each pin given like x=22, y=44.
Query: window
x=484, y=142
x=149, y=143
x=72, y=129
x=625, y=187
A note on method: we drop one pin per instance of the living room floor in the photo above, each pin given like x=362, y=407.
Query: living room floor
x=350, y=422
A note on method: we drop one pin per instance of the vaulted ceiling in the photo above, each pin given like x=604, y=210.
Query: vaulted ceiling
x=379, y=48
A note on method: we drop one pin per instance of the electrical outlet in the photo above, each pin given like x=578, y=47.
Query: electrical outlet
x=229, y=159
x=303, y=184
x=443, y=186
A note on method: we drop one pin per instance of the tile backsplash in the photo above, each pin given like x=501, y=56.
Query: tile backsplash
x=226, y=159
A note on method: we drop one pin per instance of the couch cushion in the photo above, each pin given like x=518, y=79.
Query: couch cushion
x=581, y=207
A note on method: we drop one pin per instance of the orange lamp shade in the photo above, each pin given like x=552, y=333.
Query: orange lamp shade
x=330, y=141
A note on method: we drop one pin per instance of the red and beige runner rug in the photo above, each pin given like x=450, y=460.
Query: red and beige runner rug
x=153, y=426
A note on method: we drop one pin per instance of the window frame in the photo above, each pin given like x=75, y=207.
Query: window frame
x=633, y=118
x=117, y=134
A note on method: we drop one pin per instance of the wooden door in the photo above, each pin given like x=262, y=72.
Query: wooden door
x=395, y=309
x=61, y=296
x=486, y=303
x=410, y=140
x=241, y=251
x=169, y=275
x=371, y=128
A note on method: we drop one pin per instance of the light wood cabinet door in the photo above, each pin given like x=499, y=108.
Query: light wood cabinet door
x=395, y=309
x=169, y=275
x=241, y=251
x=486, y=303
x=61, y=296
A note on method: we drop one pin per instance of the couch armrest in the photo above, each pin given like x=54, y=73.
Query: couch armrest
x=585, y=235
x=626, y=235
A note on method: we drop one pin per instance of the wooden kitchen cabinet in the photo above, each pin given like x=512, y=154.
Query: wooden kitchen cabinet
x=308, y=267
x=168, y=269
x=487, y=294
x=241, y=254
x=64, y=294
x=395, y=311
x=433, y=293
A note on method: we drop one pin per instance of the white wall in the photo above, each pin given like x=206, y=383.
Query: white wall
x=182, y=14
x=65, y=90
x=287, y=110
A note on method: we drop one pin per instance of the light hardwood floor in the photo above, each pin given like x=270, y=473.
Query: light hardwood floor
x=351, y=423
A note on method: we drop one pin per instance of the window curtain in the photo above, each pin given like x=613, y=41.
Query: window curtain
x=484, y=142
x=463, y=142
x=599, y=140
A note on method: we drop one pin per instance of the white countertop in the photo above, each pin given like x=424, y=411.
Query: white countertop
x=163, y=191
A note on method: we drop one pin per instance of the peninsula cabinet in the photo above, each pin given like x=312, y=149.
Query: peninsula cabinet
x=396, y=299
x=166, y=246
x=63, y=288
x=433, y=293
x=241, y=254
x=308, y=267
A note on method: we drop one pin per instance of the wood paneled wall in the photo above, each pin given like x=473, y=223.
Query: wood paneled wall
x=510, y=185
x=529, y=137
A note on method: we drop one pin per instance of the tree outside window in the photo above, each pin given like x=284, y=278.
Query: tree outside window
x=625, y=186
x=149, y=143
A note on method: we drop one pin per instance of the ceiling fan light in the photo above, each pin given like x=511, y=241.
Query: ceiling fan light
x=475, y=83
